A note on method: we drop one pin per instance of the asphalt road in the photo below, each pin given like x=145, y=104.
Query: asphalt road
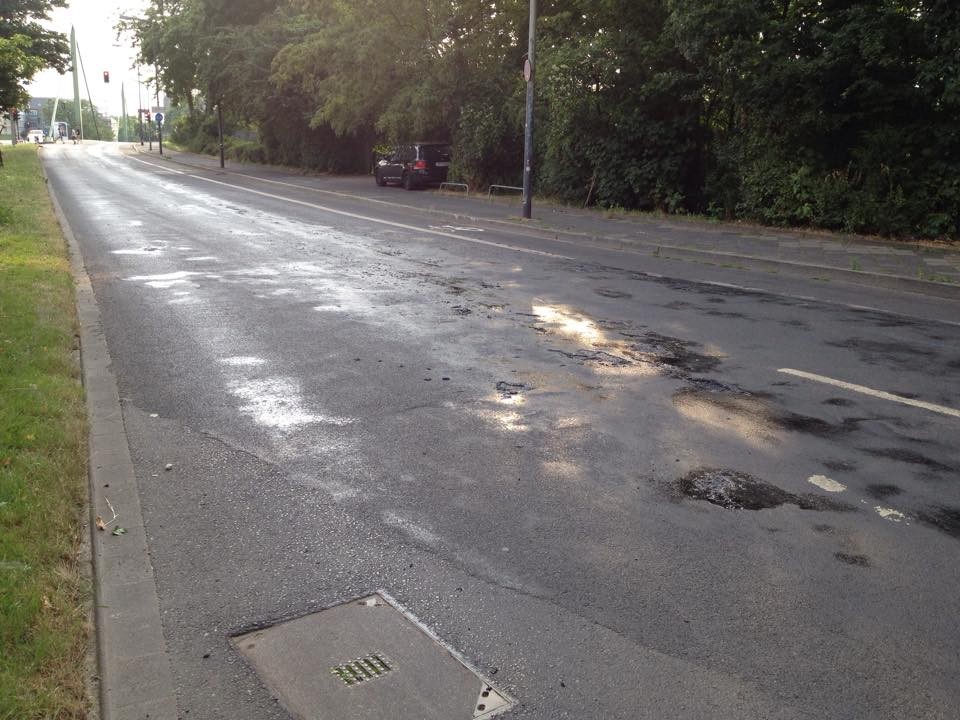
x=582, y=468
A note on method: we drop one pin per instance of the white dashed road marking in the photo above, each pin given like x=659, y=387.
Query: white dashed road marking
x=942, y=409
x=825, y=483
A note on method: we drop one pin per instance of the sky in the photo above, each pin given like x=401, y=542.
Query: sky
x=100, y=50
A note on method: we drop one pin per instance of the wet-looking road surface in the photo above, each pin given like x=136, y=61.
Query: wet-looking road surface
x=596, y=483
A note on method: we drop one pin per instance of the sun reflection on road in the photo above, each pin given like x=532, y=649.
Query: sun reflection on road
x=505, y=399
x=573, y=325
x=504, y=419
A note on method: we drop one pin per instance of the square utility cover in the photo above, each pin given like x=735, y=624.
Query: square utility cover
x=367, y=660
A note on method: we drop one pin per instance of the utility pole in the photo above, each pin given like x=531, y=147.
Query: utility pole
x=528, y=74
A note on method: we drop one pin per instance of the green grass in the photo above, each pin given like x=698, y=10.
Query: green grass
x=43, y=593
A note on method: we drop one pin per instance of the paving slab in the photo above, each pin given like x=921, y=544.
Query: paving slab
x=366, y=660
x=134, y=670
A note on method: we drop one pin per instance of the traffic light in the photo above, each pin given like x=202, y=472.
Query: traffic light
x=147, y=115
x=106, y=76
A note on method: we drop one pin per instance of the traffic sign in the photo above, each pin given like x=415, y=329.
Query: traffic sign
x=158, y=117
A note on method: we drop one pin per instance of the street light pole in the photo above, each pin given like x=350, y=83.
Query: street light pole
x=529, y=72
x=220, y=128
x=159, y=125
x=140, y=104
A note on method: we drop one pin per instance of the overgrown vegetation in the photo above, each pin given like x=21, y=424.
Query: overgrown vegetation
x=839, y=114
x=43, y=594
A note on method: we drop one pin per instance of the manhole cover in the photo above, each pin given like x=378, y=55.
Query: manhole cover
x=367, y=659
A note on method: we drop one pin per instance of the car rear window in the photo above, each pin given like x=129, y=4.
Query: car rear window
x=436, y=153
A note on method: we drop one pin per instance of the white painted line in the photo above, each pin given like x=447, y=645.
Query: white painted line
x=943, y=410
x=825, y=483
x=366, y=218
x=890, y=514
x=456, y=228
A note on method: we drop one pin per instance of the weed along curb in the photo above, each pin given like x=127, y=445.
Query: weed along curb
x=136, y=680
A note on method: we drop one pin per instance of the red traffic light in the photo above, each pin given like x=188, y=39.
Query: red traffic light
x=106, y=76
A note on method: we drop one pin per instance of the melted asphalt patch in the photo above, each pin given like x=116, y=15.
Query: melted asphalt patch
x=739, y=491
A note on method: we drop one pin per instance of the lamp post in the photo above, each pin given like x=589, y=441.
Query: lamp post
x=139, y=104
x=220, y=128
x=159, y=125
x=528, y=75
x=131, y=18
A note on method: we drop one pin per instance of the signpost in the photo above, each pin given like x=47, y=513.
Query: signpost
x=158, y=117
x=529, y=72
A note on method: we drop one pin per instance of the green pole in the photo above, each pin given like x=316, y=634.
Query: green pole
x=76, y=78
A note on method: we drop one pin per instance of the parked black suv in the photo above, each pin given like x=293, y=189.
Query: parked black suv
x=414, y=164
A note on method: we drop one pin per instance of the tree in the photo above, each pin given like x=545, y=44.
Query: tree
x=17, y=66
x=830, y=113
x=26, y=47
x=622, y=108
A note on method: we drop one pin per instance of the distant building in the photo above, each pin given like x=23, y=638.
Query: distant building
x=33, y=117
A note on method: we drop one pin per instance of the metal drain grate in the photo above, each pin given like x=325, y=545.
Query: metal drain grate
x=362, y=669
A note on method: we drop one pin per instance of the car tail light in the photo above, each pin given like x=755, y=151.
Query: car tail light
x=420, y=165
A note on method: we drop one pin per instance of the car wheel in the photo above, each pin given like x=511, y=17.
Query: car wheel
x=381, y=181
x=408, y=182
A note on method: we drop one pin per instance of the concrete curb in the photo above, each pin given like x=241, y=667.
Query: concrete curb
x=136, y=680
x=900, y=283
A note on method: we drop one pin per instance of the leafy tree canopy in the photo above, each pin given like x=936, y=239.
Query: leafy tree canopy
x=840, y=114
x=27, y=47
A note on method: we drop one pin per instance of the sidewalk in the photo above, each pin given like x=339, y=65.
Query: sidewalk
x=929, y=269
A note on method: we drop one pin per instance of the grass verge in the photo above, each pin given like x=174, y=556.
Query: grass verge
x=43, y=490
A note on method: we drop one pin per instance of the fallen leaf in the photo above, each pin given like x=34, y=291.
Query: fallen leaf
x=46, y=603
x=119, y=531
x=101, y=525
